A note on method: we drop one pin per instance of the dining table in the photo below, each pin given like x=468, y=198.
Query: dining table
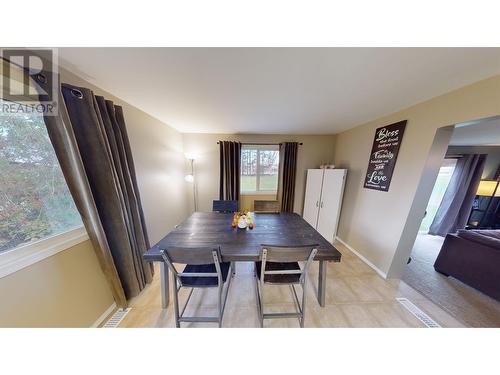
x=203, y=229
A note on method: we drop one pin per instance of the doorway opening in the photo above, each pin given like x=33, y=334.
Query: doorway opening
x=464, y=201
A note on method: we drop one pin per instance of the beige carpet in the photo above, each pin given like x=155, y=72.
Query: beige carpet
x=466, y=304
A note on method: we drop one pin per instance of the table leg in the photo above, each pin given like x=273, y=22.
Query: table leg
x=164, y=285
x=322, y=283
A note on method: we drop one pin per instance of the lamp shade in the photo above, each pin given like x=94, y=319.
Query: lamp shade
x=487, y=188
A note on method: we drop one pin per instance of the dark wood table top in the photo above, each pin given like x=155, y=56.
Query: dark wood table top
x=213, y=228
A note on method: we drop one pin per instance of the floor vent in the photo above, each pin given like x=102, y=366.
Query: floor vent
x=116, y=319
x=423, y=317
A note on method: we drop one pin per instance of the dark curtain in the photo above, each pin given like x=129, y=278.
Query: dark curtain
x=454, y=210
x=229, y=187
x=288, y=170
x=91, y=143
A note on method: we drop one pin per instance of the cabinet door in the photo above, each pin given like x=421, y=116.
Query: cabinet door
x=312, y=196
x=331, y=201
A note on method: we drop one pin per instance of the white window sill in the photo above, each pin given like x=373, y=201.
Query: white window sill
x=33, y=252
x=259, y=192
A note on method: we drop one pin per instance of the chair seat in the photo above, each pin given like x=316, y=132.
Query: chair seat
x=197, y=281
x=279, y=266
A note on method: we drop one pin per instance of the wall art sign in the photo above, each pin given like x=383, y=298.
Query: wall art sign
x=383, y=156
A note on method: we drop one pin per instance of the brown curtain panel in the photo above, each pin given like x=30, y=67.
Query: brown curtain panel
x=229, y=187
x=288, y=150
x=91, y=143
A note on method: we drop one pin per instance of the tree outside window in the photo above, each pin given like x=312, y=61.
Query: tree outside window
x=259, y=168
x=35, y=202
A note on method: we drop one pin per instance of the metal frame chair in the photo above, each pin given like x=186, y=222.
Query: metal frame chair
x=224, y=206
x=203, y=269
x=280, y=266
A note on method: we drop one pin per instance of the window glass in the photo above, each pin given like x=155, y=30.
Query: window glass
x=442, y=182
x=269, y=164
x=35, y=202
x=248, y=170
x=259, y=168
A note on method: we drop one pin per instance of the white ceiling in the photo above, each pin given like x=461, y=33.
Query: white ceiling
x=277, y=90
x=478, y=133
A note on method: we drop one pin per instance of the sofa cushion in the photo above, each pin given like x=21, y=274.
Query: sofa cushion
x=489, y=238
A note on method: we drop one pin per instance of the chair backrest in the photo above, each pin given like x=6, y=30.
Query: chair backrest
x=271, y=253
x=195, y=256
x=266, y=206
x=288, y=253
x=191, y=255
x=224, y=206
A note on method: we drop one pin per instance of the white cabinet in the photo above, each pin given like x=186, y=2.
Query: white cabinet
x=323, y=200
x=313, y=196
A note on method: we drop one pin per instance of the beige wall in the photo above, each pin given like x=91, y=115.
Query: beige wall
x=316, y=149
x=372, y=222
x=65, y=290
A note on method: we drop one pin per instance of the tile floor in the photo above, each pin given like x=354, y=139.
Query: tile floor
x=355, y=297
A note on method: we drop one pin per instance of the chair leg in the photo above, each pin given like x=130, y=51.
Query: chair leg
x=219, y=304
x=303, y=317
x=261, y=304
x=226, y=293
x=176, y=302
x=233, y=269
x=260, y=311
x=261, y=315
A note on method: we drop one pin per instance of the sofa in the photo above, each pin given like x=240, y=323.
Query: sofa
x=473, y=257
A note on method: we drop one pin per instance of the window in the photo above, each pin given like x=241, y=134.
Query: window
x=442, y=182
x=35, y=202
x=259, y=168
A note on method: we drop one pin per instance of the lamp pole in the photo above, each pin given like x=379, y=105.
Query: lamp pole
x=194, y=185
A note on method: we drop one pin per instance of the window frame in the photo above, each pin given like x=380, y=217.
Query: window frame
x=259, y=147
x=30, y=253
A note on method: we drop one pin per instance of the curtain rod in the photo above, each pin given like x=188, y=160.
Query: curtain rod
x=263, y=144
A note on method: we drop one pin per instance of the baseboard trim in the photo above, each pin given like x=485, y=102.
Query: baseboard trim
x=103, y=316
x=370, y=264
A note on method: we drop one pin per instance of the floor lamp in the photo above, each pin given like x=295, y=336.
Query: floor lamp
x=190, y=178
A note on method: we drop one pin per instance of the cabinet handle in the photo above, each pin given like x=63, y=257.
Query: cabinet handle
x=317, y=204
x=321, y=205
